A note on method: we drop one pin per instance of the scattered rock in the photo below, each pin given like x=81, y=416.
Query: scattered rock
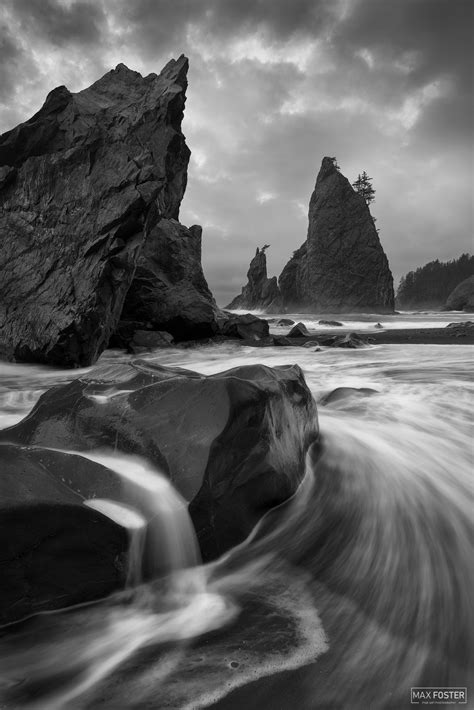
x=284, y=321
x=260, y=291
x=298, y=331
x=462, y=298
x=350, y=340
x=342, y=265
x=343, y=393
x=283, y=341
x=333, y=323
x=245, y=327
x=461, y=330
x=378, y=325
x=233, y=444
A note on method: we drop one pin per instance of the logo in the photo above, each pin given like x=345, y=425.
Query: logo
x=438, y=696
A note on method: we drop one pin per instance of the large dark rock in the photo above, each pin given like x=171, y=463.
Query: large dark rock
x=55, y=550
x=260, y=291
x=169, y=291
x=341, y=266
x=233, y=444
x=84, y=185
x=462, y=298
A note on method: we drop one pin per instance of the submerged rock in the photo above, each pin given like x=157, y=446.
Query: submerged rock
x=341, y=266
x=233, y=444
x=462, y=298
x=90, y=187
x=333, y=323
x=260, y=291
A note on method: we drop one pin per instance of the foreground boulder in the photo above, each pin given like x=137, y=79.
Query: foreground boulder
x=84, y=186
x=260, y=291
x=233, y=444
x=342, y=265
x=462, y=298
x=55, y=550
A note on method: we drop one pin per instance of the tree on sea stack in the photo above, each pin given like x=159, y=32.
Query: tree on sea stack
x=364, y=187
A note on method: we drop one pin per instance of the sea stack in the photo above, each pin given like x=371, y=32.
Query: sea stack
x=342, y=265
x=260, y=291
x=84, y=185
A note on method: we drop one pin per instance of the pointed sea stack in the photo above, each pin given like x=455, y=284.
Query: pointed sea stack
x=84, y=185
x=260, y=291
x=342, y=265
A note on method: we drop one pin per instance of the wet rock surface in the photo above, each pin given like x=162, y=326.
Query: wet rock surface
x=90, y=190
x=55, y=550
x=233, y=444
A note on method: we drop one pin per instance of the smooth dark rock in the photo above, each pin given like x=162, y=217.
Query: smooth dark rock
x=298, y=331
x=260, y=291
x=55, y=550
x=350, y=340
x=343, y=393
x=334, y=323
x=378, y=325
x=341, y=266
x=245, y=327
x=284, y=321
x=84, y=185
x=233, y=444
x=282, y=342
x=462, y=298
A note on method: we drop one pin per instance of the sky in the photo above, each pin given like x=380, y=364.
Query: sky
x=386, y=86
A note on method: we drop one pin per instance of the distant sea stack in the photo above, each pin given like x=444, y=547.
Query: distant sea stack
x=341, y=266
x=90, y=189
x=260, y=292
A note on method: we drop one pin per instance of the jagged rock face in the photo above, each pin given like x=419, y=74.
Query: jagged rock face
x=169, y=291
x=260, y=291
x=341, y=266
x=462, y=298
x=82, y=184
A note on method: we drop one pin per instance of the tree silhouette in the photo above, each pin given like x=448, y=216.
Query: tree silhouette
x=363, y=186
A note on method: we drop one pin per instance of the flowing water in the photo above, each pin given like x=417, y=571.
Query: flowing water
x=344, y=597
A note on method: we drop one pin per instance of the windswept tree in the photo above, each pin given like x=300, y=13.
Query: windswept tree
x=363, y=186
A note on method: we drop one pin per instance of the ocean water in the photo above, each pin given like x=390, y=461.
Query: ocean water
x=357, y=589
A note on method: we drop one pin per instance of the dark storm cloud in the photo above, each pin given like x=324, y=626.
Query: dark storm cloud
x=274, y=85
x=81, y=22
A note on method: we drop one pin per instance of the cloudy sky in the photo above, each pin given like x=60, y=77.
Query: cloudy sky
x=274, y=85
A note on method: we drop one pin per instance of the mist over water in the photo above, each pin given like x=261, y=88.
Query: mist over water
x=361, y=584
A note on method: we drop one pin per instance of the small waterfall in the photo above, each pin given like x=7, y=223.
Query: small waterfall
x=168, y=543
